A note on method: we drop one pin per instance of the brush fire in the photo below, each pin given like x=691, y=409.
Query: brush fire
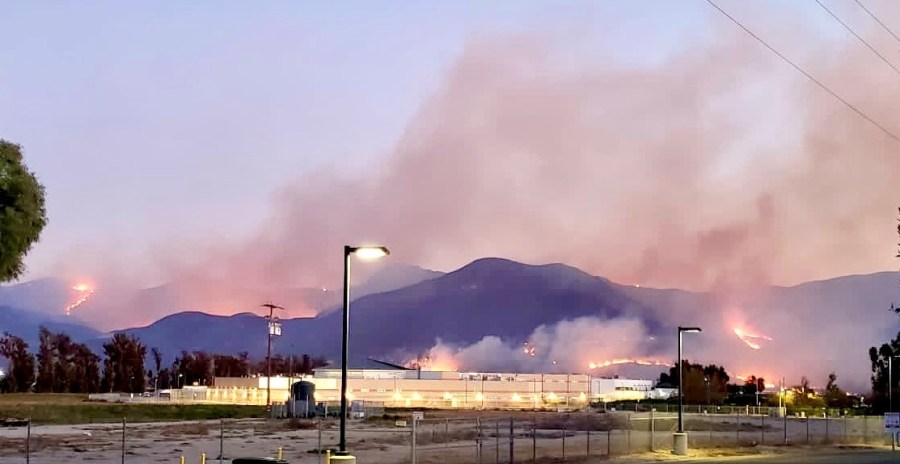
x=84, y=292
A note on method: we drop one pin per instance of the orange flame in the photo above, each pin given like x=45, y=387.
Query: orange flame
x=616, y=362
x=85, y=292
x=750, y=338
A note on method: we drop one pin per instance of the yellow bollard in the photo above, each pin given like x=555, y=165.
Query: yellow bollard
x=181, y=460
x=327, y=456
x=280, y=454
x=202, y=458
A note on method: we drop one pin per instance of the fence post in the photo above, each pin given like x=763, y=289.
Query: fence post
x=222, y=441
x=826, y=426
x=447, y=433
x=534, y=440
x=845, y=428
x=512, y=438
x=865, y=429
x=477, y=439
x=652, y=430
x=319, y=433
x=628, y=438
x=497, y=443
x=609, y=442
x=785, y=420
x=564, y=443
x=738, y=428
x=709, y=418
x=762, y=433
x=628, y=435
x=28, y=441
x=123, y=439
x=412, y=450
x=807, y=430
x=588, y=441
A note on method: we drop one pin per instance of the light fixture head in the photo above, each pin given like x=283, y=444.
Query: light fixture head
x=690, y=329
x=369, y=252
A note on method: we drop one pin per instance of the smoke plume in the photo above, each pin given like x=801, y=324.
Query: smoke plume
x=718, y=168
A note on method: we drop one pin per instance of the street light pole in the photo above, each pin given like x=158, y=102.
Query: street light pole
x=891, y=384
x=270, y=328
x=362, y=253
x=681, y=376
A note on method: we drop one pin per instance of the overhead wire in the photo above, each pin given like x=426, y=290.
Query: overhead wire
x=808, y=75
x=867, y=44
x=883, y=25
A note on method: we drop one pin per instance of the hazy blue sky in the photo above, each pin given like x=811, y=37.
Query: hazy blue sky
x=148, y=120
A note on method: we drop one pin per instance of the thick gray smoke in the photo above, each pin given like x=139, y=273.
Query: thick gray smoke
x=567, y=346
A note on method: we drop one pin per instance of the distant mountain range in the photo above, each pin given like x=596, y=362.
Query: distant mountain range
x=405, y=311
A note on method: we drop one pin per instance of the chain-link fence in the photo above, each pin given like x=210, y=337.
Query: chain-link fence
x=489, y=437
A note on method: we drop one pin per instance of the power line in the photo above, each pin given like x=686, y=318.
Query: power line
x=867, y=44
x=808, y=75
x=883, y=25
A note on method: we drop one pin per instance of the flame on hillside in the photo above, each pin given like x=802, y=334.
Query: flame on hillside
x=768, y=385
x=751, y=338
x=84, y=293
x=616, y=362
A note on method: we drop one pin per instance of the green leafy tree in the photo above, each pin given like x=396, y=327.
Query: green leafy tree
x=22, y=212
x=85, y=374
x=65, y=366
x=123, y=366
x=20, y=375
x=46, y=364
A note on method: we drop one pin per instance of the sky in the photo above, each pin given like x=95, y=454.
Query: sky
x=159, y=129
x=148, y=121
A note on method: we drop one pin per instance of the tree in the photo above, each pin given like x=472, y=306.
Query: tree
x=879, y=358
x=123, y=368
x=21, y=363
x=22, y=212
x=45, y=361
x=65, y=366
x=157, y=359
x=834, y=396
x=85, y=376
x=805, y=397
x=702, y=384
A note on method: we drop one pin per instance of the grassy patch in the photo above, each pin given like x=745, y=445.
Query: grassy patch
x=74, y=409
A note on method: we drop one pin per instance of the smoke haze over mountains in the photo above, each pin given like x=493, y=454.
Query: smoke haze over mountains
x=717, y=169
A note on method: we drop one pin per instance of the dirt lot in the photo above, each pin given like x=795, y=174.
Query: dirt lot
x=445, y=437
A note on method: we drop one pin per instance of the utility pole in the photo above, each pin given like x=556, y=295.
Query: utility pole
x=272, y=327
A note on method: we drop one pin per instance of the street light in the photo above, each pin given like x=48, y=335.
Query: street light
x=890, y=385
x=364, y=253
x=681, y=376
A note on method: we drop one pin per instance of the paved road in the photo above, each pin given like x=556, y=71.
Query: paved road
x=842, y=457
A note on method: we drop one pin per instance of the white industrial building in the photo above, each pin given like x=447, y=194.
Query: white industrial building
x=398, y=386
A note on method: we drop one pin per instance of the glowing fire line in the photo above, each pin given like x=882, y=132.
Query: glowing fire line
x=616, y=362
x=86, y=292
x=750, y=339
